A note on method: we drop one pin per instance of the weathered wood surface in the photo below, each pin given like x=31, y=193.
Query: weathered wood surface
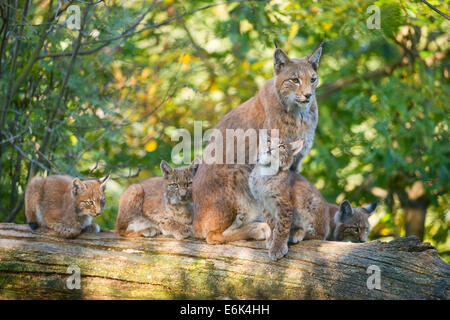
x=35, y=266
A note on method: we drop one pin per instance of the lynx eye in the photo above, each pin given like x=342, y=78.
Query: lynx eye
x=313, y=80
x=294, y=80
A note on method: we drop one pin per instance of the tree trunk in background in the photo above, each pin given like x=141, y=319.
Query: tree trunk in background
x=415, y=220
x=414, y=202
x=35, y=266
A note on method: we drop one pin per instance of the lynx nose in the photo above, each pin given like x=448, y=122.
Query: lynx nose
x=307, y=96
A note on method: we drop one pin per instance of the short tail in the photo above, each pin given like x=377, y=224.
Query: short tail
x=32, y=199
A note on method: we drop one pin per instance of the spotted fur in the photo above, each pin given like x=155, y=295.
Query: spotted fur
x=64, y=205
x=283, y=104
x=159, y=205
x=294, y=209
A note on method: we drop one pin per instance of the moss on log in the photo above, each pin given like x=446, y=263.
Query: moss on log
x=34, y=266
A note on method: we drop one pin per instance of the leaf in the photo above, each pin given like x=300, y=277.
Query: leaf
x=151, y=146
x=293, y=31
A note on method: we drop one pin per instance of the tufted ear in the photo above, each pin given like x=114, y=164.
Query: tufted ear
x=370, y=208
x=280, y=60
x=166, y=169
x=314, y=57
x=297, y=146
x=194, y=166
x=103, y=181
x=345, y=211
x=77, y=186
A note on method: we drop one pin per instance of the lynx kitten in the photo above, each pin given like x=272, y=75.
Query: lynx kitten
x=294, y=209
x=65, y=205
x=159, y=205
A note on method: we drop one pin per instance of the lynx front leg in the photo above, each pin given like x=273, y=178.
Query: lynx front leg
x=66, y=228
x=271, y=223
x=63, y=230
x=279, y=245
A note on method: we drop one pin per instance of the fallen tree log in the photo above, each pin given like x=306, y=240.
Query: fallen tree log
x=35, y=266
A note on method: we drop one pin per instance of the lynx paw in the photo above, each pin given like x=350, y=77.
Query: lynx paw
x=298, y=236
x=214, y=237
x=150, y=232
x=310, y=231
x=63, y=231
x=92, y=228
x=278, y=251
x=183, y=233
x=262, y=231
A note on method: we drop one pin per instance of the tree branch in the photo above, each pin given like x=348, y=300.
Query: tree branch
x=437, y=10
x=113, y=267
x=56, y=109
x=130, y=33
x=330, y=88
x=33, y=161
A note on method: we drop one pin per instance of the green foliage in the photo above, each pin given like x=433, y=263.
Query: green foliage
x=383, y=134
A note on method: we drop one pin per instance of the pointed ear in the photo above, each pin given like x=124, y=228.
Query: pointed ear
x=370, y=208
x=296, y=146
x=103, y=181
x=280, y=60
x=166, y=169
x=314, y=57
x=345, y=211
x=194, y=166
x=77, y=186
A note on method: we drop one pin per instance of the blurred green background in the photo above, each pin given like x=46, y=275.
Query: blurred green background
x=107, y=97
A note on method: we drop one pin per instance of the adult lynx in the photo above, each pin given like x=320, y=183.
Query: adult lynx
x=159, y=205
x=65, y=205
x=287, y=102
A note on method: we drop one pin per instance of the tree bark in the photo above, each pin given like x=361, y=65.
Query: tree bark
x=35, y=266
